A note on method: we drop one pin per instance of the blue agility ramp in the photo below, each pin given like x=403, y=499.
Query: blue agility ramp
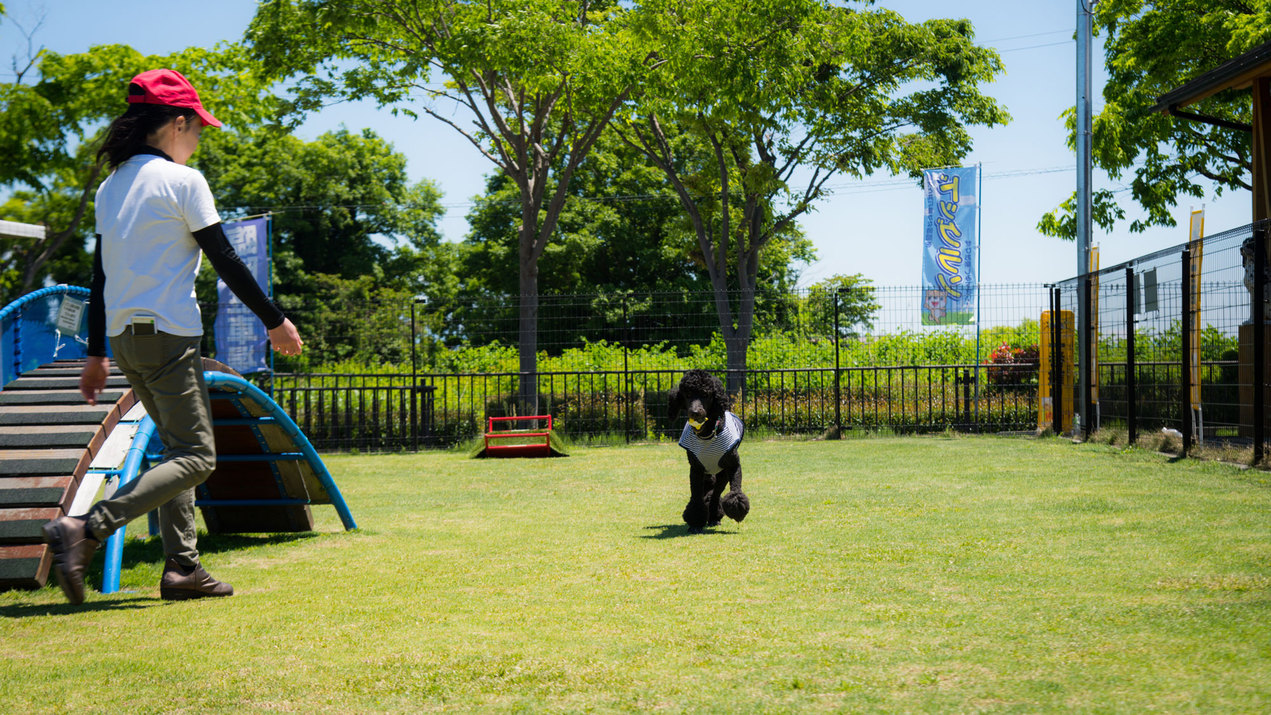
x=57, y=452
x=267, y=473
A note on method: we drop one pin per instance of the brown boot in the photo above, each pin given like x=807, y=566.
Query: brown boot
x=73, y=547
x=179, y=584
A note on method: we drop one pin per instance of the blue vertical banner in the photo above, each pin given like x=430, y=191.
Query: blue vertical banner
x=241, y=339
x=950, y=246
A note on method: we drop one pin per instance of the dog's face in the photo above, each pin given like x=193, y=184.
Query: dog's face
x=936, y=301
x=703, y=398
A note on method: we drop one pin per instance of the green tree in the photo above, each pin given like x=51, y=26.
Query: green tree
x=538, y=78
x=51, y=116
x=622, y=238
x=855, y=297
x=353, y=240
x=1152, y=48
x=342, y=205
x=789, y=94
x=358, y=321
x=619, y=230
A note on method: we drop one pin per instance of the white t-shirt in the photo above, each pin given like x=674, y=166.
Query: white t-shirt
x=147, y=212
x=709, y=451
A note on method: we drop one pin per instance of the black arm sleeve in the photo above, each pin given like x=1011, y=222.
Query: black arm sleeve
x=236, y=275
x=97, y=306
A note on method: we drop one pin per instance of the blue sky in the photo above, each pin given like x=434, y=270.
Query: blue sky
x=872, y=227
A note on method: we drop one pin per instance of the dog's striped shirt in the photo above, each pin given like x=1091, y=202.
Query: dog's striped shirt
x=709, y=451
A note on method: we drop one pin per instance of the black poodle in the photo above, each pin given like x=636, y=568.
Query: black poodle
x=711, y=437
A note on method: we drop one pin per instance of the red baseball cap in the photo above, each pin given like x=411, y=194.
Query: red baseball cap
x=170, y=89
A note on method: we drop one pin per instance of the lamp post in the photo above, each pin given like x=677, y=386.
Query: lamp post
x=1085, y=13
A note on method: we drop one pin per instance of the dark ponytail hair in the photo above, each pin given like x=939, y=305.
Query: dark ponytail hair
x=127, y=135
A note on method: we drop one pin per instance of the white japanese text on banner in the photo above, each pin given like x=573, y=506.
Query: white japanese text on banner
x=241, y=339
x=950, y=246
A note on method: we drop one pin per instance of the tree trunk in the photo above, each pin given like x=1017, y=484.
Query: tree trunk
x=527, y=397
x=737, y=341
x=736, y=344
x=41, y=253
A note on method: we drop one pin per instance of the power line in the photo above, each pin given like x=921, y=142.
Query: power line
x=864, y=187
x=851, y=187
x=1035, y=47
x=1068, y=32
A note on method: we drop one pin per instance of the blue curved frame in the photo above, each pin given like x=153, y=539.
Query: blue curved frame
x=36, y=295
x=283, y=420
x=134, y=464
x=11, y=330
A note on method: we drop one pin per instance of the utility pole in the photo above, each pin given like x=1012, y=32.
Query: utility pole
x=1085, y=14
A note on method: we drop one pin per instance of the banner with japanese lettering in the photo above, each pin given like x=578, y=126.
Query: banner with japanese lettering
x=241, y=339
x=950, y=246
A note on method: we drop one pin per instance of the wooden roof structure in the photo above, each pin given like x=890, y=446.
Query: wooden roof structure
x=1250, y=71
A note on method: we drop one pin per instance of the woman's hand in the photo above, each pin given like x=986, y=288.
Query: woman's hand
x=92, y=378
x=286, y=339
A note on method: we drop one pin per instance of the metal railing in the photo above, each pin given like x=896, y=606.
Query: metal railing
x=413, y=411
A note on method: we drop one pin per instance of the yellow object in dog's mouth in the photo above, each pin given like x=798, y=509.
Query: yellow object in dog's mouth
x=696, y=424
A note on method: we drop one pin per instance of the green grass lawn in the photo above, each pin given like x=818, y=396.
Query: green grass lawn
x=884, y=575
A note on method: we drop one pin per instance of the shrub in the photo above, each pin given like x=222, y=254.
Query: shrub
x=1011, y=367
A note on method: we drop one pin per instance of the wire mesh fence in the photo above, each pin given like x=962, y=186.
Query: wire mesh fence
x=415, y=374
x=1175, y=342
x=1171, y=337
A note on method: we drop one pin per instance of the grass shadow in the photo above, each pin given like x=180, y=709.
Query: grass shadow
x=29, y=610
x=676, y=531
x=150, y=550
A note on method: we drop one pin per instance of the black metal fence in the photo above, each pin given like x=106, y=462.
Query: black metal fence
x=1175, y=346
x=1173, y=336
x=395, y=412
x=819, y=362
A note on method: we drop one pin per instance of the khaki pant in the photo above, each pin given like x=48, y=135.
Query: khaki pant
x=166, y=371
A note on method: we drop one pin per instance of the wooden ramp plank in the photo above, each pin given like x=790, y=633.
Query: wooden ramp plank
x=48, y=437
x=41, y=462
x=54, y=414
x=38, y=381
x=37, y=491
x=22, y=526
x=28, y=436
x=56, y=397
x=25, y=566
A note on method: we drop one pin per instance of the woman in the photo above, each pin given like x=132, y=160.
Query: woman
x=155, y=218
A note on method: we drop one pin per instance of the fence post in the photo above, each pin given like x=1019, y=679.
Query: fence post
x=414, y=382
x=965, y=379
x=626, y=368
x=1259, y=340
x=1185, y=322
x=1084, y=378
x=1056, y=355
x=838, y=398
x=1130, y=383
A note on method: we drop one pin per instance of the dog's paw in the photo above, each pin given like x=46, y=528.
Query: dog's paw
x=736, y=505
x=696, y=529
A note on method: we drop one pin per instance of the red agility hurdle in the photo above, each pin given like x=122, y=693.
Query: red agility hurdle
x=523, y=442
